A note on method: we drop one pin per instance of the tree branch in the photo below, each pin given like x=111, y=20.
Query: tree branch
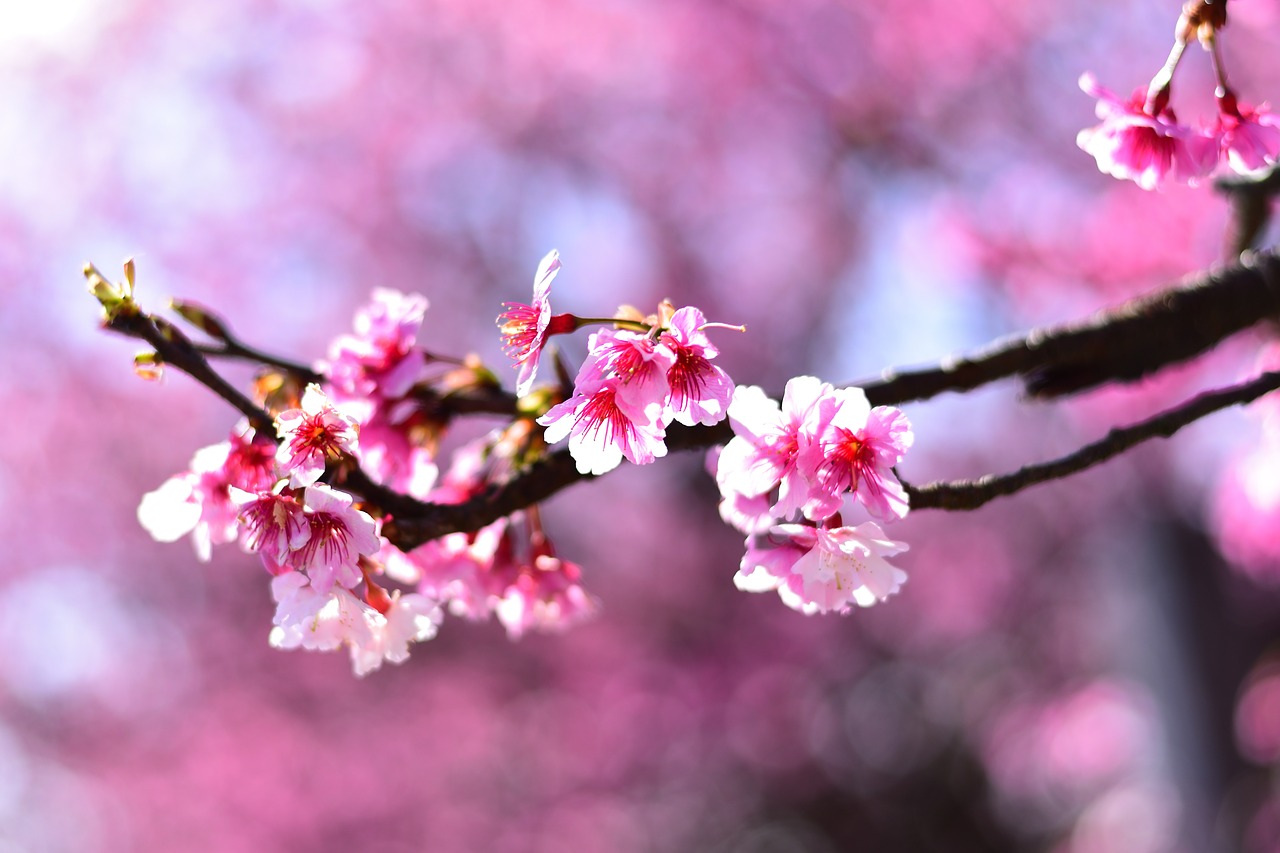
x=971, y=494
x=1123, y=344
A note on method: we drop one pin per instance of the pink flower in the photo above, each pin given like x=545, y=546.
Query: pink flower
x=392, y=455
x=855, y=450
x=1151, y=150
x=311, y=435
x=1249, y=138
x=819, y=570
x=525, y=328
x=700, y=391
x=747, y=513
x=198, y=501
x=604, y=425
x=380, y=360
x=273, y=525
x=324, y=620
x=339, y=536
x=458, y=570
x=636, y=363
x=408, y=619
x=767, y=441
x=545, y=597
x=321, y=620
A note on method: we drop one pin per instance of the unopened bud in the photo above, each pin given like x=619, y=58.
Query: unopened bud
x=170, y=332
x=116, y=299
x=201, y=318
x=148, y=366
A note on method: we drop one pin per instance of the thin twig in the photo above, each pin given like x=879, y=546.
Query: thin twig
x=971, y=494
x=233, y=349
x=178, y=352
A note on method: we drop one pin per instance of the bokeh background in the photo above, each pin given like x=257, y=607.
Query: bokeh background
x=864, y=185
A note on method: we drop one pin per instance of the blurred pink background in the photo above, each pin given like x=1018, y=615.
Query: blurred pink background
x=864, y=185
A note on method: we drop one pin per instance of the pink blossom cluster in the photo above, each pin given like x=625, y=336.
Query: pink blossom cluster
x=311, y=537
x=327, y=556
x=632, y=386
x=1142, y=140
x=785, y=479
x=371, y=376
x=638, y=377
x=507, y=569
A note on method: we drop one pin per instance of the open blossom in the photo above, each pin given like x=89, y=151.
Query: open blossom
x=408, y=619
x=311, y=435
x=700, y=391
x=198, y=501
x=324, y=620
x=1249, y=137
x=546, y=596
x=767, y=441
x=604, y=425
x=1150, y=150
x=635, y=362
x=525, y=328
x=819, y=570
x=381, y=360
x=273, y=525
x=855, y=450
x=339, y=535
x=393, y=456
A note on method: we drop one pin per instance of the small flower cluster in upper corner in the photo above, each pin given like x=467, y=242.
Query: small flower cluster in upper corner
x=638, y=376
x=1140, y=139
x=800, y=461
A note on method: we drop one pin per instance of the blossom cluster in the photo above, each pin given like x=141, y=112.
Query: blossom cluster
x=339, y=582
x=1149, y=146
x=785, y=479
x=632, y=386
x=331, y=566
x=1140, y=139
x=312, y=538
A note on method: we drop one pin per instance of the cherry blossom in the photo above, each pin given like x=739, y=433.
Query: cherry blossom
x=767, y=441
x=636, y=363
x=323, y=620
x=1152, y=150
x=198, y=501
x=700, y=391
x=339, y=536
x=821, y=570
x=546, y=596
x=272, y=524
x=603, y=426
x=855, y=450
x=312, y=435
x=525, y=328
x=408, y=619
x=380, y=361
x=1249, y=137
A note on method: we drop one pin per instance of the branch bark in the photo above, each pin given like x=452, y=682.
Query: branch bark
x=1120, y=344
x=971, y=494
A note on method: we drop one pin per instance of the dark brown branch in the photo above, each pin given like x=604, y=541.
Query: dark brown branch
x=178, y=352
x=233, y=349
x=1119, y=344
x=1251, y=203
x=971, y=494
x=540, y=481
x=1123, y=344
